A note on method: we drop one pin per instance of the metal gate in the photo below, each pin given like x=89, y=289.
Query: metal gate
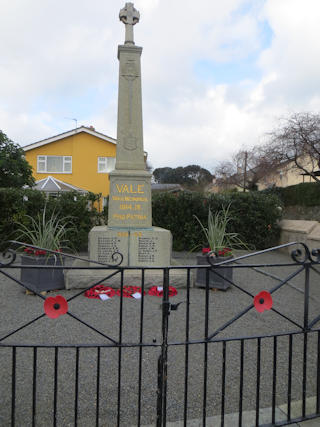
x=205, y=357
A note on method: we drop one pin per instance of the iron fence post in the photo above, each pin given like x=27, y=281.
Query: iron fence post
x=163, y=358
x=306, y=296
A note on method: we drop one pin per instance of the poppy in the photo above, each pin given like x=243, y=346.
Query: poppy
x=158, y=291
x=128, y=291
x=98, y=290
x=262, y=301
x=55, y=306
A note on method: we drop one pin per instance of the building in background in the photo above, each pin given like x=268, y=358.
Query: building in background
x=80, y=158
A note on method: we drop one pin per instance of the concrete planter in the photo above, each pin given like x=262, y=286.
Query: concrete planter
x=215, y=281
x=42, y=279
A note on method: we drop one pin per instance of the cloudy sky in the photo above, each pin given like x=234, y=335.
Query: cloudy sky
x=216, y=75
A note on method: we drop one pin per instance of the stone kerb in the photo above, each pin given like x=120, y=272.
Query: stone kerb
x=314, y=238
x=307, y=232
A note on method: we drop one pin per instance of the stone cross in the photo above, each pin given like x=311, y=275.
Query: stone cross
x=129, y=16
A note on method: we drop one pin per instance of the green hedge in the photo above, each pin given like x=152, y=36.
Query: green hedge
x=254, y=216
x=17, y=203
x=304, y=194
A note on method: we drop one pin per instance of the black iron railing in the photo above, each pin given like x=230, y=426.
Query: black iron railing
x=204, y=355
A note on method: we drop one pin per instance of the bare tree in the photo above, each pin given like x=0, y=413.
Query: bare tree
x=297, y=141
x=245, y=169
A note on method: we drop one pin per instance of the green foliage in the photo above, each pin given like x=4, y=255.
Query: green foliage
x=15, y=205
x=15, y=171
x=46, y=231
x=216, y=234
x=254, y=216
x=192, y=176
x=175, y=213
x=80, y=208
x=19, y=205
x=304, y=194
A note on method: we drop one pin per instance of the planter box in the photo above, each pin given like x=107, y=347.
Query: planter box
x=215, y=281
x=42, y=279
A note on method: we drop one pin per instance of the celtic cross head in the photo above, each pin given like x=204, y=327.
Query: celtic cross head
x=129, y=16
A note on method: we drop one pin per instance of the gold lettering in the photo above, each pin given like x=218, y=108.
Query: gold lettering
x=130, y=189
x=117, y=216
x=122, y=234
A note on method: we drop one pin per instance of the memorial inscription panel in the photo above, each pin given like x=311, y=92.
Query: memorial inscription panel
x=147, y=249
x=104, y=242
x=150, y=247
x=130, y=204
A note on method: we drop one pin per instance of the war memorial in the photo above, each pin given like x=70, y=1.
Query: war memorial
x=129, y=230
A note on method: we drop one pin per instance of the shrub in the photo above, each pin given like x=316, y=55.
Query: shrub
x=82, y=213
x=19, y=205
x=304, y=194
x=175, y=213
x=254, y=217
x=15, y=205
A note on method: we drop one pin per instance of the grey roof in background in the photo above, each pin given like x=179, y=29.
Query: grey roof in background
x=51, y=184
x=166, y=187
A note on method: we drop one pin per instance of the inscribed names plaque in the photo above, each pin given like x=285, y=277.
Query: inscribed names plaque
x=104, y=242
x=150, y=247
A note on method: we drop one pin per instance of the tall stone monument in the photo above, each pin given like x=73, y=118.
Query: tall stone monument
x=129, y=228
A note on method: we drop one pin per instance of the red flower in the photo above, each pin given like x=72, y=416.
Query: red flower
x=100, y=290
x=35, y=252
x=154, y=291
x=29, y=251
x=206, y=250
x=55, y=306
x=127, y=291
x=40, y=252
x=262, y=301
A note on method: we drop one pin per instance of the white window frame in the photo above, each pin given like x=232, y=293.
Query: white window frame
x=42, y=160
x=104, y=161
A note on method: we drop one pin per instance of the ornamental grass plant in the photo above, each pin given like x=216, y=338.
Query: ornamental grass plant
x=218, y=239
x=48, y=232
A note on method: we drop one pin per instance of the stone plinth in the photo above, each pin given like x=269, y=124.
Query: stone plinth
x=82, y=279
x=139, y=247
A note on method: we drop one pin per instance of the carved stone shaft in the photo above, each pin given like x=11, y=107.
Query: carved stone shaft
x=130, y=154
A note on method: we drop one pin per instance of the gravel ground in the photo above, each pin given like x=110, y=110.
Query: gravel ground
x=17, y=308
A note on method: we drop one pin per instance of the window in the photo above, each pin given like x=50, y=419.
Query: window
x=106, y=164
x=54, y=164
x=105, y=202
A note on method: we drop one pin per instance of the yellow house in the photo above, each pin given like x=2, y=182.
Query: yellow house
x=286, y=175
x=81, y=158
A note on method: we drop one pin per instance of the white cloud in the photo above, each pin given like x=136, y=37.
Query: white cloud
x=59, y=60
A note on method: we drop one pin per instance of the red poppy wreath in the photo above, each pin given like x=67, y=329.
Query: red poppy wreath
x=55, y=306
x=158, y=291
x=128, y=291
x=98, y=290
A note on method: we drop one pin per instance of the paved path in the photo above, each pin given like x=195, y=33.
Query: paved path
x=17, y=308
